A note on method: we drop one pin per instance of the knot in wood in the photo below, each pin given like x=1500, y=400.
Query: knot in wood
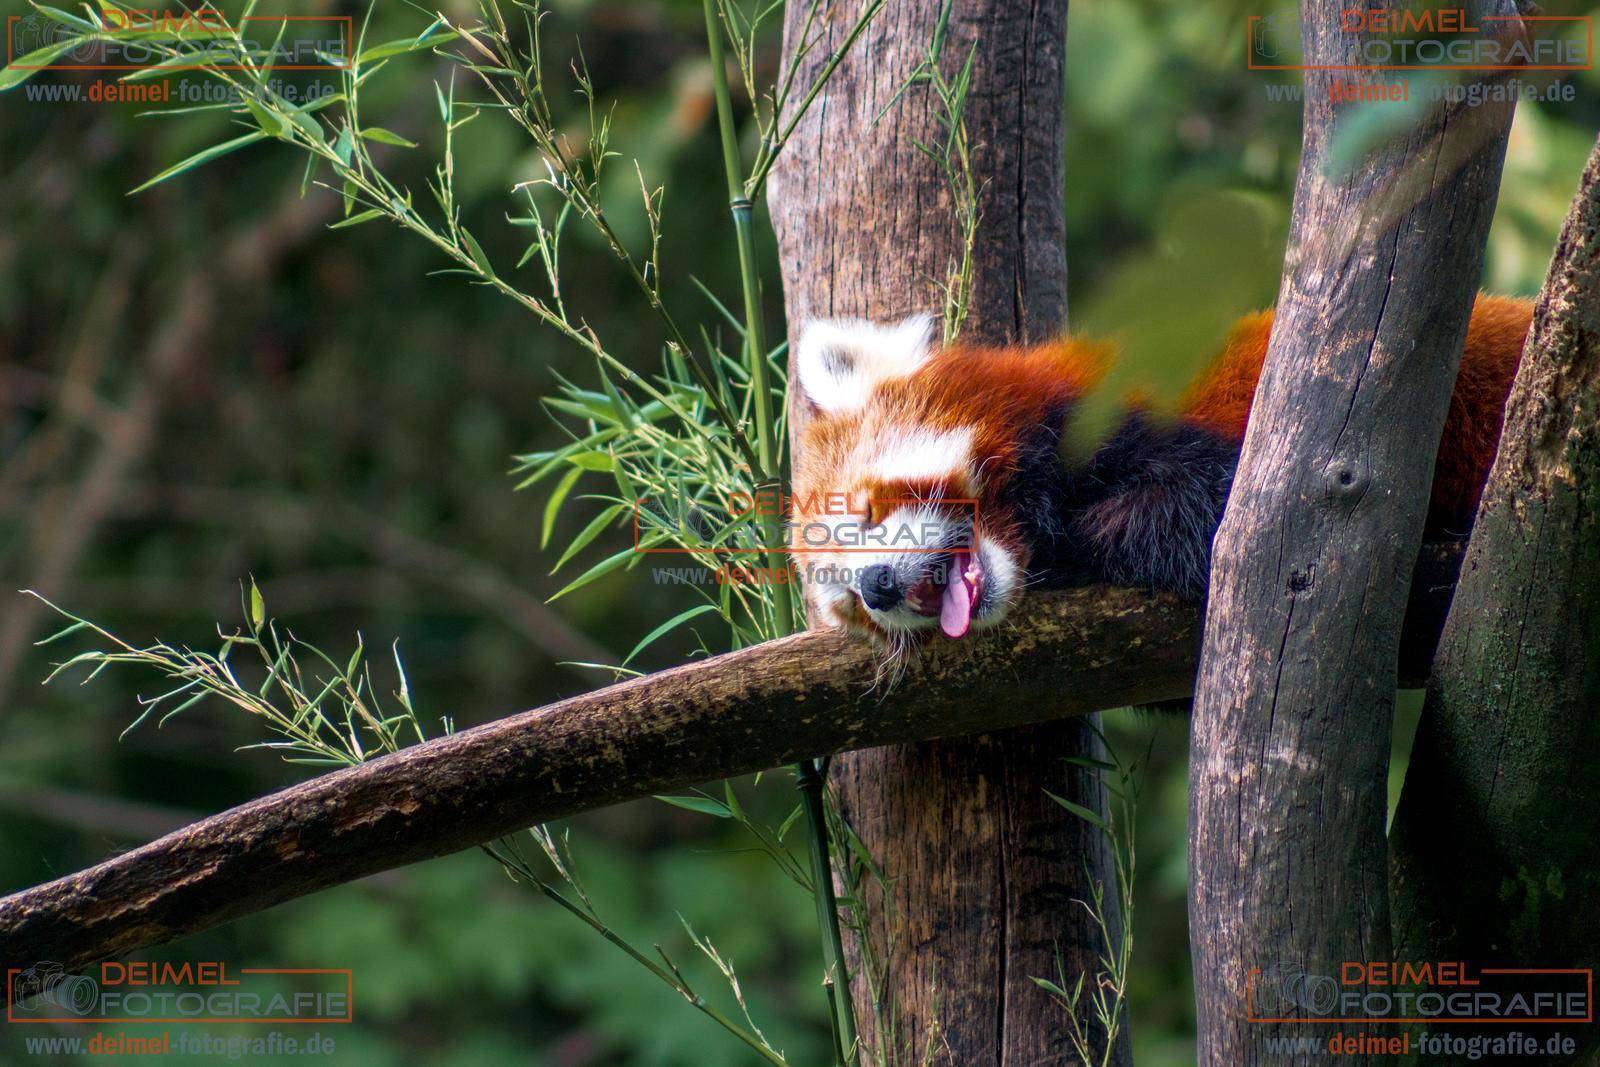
x=1347, y=479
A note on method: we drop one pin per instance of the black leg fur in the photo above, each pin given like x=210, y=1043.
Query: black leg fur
x=1164, y=487
x=1142, y=512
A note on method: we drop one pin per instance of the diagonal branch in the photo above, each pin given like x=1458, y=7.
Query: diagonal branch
x=750, y=710
x=1065, y=654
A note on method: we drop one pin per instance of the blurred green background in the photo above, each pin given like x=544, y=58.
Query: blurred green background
x=202, y=383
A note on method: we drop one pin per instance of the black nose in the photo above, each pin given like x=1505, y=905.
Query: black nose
x=879, y=590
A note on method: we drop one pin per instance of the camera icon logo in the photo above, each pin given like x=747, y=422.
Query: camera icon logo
x=48, y=987
x=1286, y=991
x=33, y=32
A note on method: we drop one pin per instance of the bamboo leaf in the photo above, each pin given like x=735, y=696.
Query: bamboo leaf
x=475, y=250
x=704, y=805
x=588, y=534
x=344, y=147
x=22, y=68
x=599, y=570
x=269, y=123
x=383, y=136
x=592, y=461
x=666, y=627
x=408, y=44
x=1093, y=818
x=63, y=17
x=356, y=220
x=201, y=158
x=552, y=507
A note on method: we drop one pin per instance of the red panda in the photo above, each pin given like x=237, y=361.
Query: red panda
x=930, y=490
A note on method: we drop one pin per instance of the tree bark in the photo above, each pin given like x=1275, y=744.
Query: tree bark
x=1295, y=695
x=984, y=867
x=1493, y=845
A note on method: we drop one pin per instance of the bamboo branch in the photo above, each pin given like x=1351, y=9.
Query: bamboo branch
x=800, y=697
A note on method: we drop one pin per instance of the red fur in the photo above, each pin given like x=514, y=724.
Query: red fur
x=1220, y=400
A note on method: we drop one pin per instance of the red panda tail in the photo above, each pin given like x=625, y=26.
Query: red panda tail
x=1219, y=401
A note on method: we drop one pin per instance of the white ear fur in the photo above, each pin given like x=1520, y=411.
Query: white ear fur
x=840, y=360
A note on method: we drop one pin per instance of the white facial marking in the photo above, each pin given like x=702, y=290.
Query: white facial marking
x=1002, y=578
x=920, y=454
x=838, y=361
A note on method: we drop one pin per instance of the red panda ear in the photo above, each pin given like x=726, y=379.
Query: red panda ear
x=839, y=360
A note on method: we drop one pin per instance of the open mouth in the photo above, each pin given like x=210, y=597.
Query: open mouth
x=950, y=590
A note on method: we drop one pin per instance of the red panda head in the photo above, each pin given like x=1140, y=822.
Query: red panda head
x=893, y=530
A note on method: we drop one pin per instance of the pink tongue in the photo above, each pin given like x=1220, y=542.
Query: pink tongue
x=955, y=611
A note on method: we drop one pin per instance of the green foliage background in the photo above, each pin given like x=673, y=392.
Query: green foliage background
x=340, y=425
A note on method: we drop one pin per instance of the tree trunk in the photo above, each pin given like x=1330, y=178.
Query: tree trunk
x=1493, y=845
x=1295, y=695
x=982, y=867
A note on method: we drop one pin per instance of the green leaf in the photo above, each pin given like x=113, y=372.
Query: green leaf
x=704, y=805
x=14, y=74
x=202, y=157
x=258, y=606
x=1093, y=818
x=733, y=800
x=788, y=822
x=588, y=534
x=552, y=507
x=1050, y=987
x=592, y=461
x=308, y=125
x=59, y=634
x=476, y=251
x=583, y=409
x=356, y=220
x=383, y=136
x=269, y=123
x=63, y=17
x=407, y=44
x=599, y=570
x=344, y=146
x=666, y=627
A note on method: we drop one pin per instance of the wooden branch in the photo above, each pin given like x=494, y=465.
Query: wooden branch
x=1065, y=654
x=761, y=707
x=1493, y=843
x=1295, y=696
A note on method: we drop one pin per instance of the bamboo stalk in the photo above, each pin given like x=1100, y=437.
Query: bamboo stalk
x=808, y=780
